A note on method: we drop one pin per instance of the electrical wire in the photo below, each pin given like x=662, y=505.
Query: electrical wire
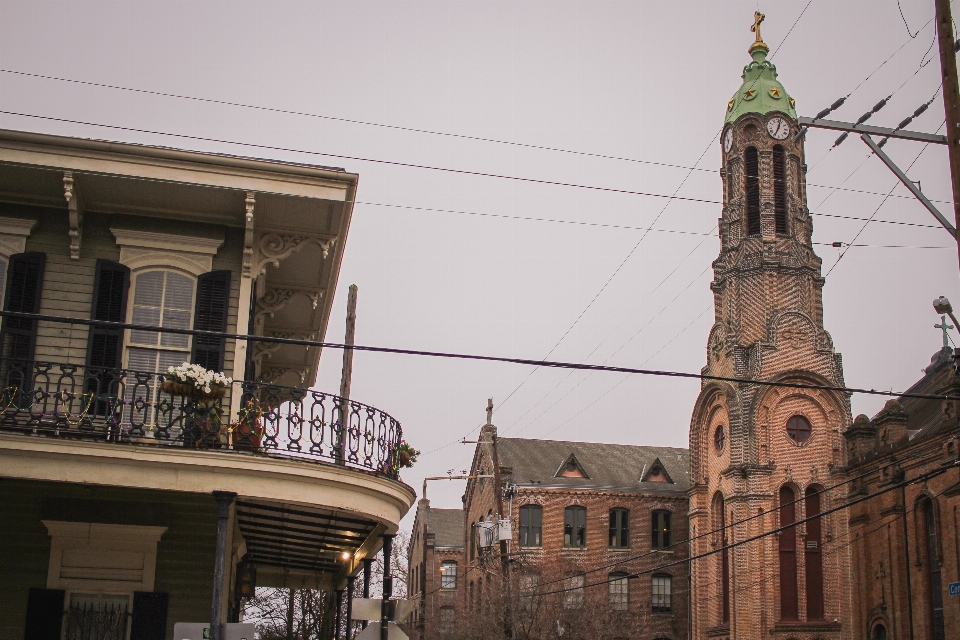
x=844, y=252
x=465, y=356
x=394, y=163
x=346, y=120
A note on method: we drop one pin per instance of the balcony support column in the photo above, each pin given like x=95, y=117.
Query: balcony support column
x=367, y=562
x=224, y=502
x=387, y=586
x=339, y=616
x=245, y=300
x=350, y=585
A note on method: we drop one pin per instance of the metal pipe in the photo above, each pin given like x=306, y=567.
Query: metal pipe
x=224, y=500
x=877, y=131
x=424, y=495
x=908, y=183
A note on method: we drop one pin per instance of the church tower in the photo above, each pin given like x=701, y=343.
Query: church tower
x=762, y=456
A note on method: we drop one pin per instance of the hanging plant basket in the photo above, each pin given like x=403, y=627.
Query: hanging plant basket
x=184, y=390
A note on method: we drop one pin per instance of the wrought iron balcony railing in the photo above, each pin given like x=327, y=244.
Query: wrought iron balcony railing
x=126, y=406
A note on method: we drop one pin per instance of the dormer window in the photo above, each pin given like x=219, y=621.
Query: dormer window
x=656, y=473
x=571, y=468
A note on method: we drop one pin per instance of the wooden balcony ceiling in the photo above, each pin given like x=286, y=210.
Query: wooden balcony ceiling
x=301, y=539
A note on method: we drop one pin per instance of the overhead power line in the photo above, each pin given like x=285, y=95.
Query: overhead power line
x=410, y=165
x=464, y=356
x=306, y=114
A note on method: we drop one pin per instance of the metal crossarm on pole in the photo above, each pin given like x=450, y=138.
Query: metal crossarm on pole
x=909, y=184
x=916, y=136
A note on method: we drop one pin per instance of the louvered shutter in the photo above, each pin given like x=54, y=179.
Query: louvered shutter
x=24, y=282
x=109, y=304
x=213, y=297
x=44, y=614
x=105, y=346
x=149, y=616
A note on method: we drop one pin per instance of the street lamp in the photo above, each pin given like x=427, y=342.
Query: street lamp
x=942, y=306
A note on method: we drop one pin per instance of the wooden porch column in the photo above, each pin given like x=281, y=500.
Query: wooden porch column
x=224, y=500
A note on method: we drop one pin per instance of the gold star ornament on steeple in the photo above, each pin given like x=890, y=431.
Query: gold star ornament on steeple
x=755, y=28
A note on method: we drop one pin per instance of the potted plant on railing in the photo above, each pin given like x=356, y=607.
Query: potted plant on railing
x=205, y=388
x=402, y=456
x=248, y=430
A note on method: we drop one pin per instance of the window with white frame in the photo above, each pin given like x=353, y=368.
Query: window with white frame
x=448, y=574
x=161, y=298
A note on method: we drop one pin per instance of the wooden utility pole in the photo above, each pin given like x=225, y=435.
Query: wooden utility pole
x=346, y=375
x=348, y=340
x=951, y=99
x=498, y=490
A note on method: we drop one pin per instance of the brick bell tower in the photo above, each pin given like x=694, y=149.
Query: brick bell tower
x=762, y=456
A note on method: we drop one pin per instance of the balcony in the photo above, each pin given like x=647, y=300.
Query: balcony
x=126, y=407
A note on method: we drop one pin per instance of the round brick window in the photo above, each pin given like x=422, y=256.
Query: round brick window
x=719, y=439
x=799, y=429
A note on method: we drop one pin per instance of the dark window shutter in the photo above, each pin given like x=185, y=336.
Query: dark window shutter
x=44, y=614
x=149, y=616
x=213, y=297
x=105, y=346
x=110, y=304
x=24, y=283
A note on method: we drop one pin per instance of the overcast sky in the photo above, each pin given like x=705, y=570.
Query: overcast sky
x=445, y=262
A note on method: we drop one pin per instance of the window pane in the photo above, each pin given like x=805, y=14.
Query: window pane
x=661, y=590
x=619, y=587
x=148, y=289
x=148, y=316
x=448, y=575
x=179, y=292
x=573, y=596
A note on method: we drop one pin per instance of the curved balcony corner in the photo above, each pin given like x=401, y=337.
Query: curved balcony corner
x=127, y=407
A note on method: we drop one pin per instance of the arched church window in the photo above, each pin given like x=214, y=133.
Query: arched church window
x=812, y=557
x=799, y=429
x=780, y=189
x=719, y=439
x=934, y=579
x=788, y=555
x=720, y=527
x=752, y=178
x=879, y=632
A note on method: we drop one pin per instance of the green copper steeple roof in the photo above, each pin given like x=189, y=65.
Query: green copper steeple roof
x=760, y=92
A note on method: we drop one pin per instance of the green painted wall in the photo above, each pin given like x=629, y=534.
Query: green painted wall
x=184, y=555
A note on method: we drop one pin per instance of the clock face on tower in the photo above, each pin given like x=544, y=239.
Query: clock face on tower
x=728, y=141
x=778, y=128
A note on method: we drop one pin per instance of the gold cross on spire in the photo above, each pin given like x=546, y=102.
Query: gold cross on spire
x=759, y=44
x=755, y=28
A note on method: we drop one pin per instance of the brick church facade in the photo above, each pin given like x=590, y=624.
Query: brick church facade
x=767, y=459
x=764, y=457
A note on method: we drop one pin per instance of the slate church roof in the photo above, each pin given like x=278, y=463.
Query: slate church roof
x=605, y=466
x=447, y=527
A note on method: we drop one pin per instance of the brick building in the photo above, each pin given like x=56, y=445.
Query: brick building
x=435, y=562
x=585, y=518
x=906, y=542
x=762, y=456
